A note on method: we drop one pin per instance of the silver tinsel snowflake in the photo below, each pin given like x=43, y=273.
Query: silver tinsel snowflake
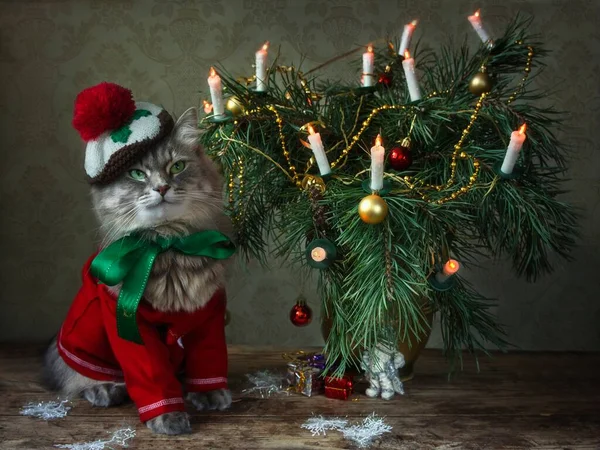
x=320, y=425
x=266, y=384
x=46, y=410
x=120, y=438
x=362, y=434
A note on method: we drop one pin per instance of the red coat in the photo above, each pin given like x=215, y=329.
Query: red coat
x=192, y=342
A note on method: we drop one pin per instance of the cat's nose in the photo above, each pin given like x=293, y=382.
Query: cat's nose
x=162, y=190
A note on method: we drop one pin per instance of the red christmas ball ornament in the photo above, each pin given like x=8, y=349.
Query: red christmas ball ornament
x=301, y=314
x=385, y=79
x=101, y=108
x=401, y=157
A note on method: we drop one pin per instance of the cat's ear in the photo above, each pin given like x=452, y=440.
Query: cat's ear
x=186, y=131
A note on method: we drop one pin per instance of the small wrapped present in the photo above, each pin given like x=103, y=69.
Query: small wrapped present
x=339, y=388
x=304, y=379
x=304, y=372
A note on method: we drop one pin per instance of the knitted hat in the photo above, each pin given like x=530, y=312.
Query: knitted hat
x=118, y=131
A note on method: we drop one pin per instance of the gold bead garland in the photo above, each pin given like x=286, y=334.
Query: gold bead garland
x=527, y=70
x=365, y=125
x=231, y=186
x=286, y=153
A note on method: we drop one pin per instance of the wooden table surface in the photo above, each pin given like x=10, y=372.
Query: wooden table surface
x=517, y=401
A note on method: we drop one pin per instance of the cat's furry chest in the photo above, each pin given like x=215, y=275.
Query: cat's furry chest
x=182, y=283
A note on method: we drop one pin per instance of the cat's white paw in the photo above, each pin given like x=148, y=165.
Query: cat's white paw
x=219, y=399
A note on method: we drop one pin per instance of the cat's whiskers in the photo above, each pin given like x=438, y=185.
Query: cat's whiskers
x=121, y=223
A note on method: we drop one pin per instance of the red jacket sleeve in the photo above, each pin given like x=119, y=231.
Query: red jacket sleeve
x=206, y=349
x=149, y=374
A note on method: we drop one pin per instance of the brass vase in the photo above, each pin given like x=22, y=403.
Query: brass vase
x=411, y=348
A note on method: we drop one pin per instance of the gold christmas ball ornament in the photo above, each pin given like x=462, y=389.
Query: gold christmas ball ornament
x=310, y=181
x=481, y=83
x=234, y=106
x=372, y=209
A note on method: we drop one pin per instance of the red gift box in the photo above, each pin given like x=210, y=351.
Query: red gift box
x=339, y=388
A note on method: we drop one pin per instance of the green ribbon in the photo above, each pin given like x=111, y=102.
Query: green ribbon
x=129, y=261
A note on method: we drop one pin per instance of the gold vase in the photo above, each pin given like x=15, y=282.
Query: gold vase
x=411, y=348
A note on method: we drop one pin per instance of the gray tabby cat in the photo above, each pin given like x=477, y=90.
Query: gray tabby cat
x=148, y=198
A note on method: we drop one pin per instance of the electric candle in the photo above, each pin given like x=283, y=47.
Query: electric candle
x=261, y=68
x=512, y=152
x=449, y=269
x=377, y=157
x=214, y=83
x=411, y=77
x=207, y=106
x=368, y=78
x=478, y=27
x=318, y=254
x=409, y=28
x=317, y=147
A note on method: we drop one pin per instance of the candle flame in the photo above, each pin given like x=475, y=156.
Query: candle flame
x=213, y=72
x=451, y=267
x=406, y=54
x=207, y=106
x=477, y=13
x=265, y=46
x=414, y=23
x=522, y=128
x=378, y=140
x=370, y=48
x=311, y=130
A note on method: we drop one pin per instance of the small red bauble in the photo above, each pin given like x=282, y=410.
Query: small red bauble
x=400, y=158
x=385, y=79
x=301, y=314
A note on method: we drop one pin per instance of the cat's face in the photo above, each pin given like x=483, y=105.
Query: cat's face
x=174, y=186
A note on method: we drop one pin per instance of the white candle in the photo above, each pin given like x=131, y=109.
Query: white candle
x=478, y=27
x=409, y=28
x=317, y=147
x=214, y=83
x=377, y=157
x=261, y=68
x=512, y=152
x=411, y=77
x=368, y=77
x=449, y=269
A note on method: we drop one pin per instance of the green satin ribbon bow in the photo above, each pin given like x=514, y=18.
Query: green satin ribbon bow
x=129, y=261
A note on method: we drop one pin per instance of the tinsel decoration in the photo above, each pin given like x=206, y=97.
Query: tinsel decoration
x=46, y=410
x=320, y=425
x=361, y=434
x=119, y=438
x=265, y=384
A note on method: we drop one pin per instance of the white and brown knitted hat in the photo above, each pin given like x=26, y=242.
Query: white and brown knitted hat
x=118, y=131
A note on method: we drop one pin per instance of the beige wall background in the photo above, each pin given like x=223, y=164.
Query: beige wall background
x=50, y=50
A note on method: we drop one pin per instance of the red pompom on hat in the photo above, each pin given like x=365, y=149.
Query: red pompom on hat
x=101, y=108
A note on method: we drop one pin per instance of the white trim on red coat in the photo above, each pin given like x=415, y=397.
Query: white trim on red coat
x=160, y=404
x=86, y=364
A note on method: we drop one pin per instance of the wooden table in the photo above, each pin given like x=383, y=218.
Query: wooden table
x=517, y=401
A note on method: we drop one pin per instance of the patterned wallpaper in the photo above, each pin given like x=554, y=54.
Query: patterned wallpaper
x=162, y=49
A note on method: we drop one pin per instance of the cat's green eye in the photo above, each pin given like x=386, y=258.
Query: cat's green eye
x=137, y=174
x=177, y=167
